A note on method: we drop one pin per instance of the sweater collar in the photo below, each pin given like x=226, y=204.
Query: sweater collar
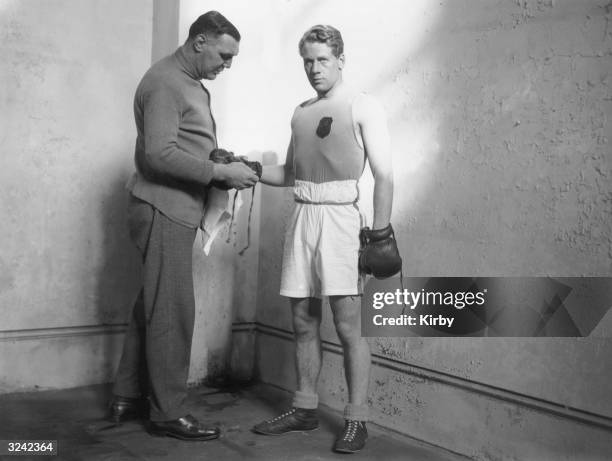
x=185, y=65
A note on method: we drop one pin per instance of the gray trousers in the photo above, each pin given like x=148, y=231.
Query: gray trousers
x=157, y=348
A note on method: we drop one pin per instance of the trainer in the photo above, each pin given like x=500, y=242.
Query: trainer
x=332, y=136
x=175, y=135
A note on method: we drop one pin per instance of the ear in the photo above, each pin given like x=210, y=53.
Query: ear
x=199, y=42
x=341, y=61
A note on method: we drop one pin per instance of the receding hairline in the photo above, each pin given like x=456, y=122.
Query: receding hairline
x=213, y=23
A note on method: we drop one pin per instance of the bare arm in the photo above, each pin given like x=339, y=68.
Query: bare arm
x=279, y=175
x=371, y=119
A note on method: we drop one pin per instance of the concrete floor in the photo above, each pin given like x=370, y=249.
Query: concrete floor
x=74, y=418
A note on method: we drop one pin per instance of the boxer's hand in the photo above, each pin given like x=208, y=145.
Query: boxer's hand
x=235, y=175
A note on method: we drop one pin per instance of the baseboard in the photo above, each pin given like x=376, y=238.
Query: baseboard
x=61, y=332
x=458, y=414
x=58, y=358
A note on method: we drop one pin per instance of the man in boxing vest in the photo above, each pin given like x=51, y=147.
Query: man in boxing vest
x=332, y=136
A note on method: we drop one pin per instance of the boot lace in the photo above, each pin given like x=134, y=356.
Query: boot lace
x=350, y=430
x=284, y=415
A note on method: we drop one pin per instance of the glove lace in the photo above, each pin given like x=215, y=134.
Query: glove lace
x=241, y=252
x=229, y=233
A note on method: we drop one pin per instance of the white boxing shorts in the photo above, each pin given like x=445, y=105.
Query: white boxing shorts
x=321, y=252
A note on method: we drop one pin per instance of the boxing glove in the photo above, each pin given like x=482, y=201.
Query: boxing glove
x=225, y=157
x=222, y=156
x=378, y=254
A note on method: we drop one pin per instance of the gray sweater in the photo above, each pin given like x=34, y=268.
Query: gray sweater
x=176, y=132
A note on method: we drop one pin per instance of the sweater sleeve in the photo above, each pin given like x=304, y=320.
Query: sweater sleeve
x=162, y=152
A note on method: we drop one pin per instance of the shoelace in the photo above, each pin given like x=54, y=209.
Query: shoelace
x=351, y=430
x=284, y=415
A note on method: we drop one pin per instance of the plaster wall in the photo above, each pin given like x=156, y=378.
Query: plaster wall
x=69, y=71
x=67, y=267
x=500, y=119
x=515, y=179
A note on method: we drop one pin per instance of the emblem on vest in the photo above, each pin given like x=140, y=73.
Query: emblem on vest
x=324, y=127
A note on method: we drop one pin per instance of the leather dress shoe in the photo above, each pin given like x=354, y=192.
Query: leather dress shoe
x=185, y=428
x=125, y=409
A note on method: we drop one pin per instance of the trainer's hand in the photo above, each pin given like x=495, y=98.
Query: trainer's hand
x=235, y=175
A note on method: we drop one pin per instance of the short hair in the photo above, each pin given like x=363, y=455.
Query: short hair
x=213, y=23
x=323, y=34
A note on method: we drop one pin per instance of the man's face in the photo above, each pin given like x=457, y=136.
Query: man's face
x=323, y=69
x=216, y=54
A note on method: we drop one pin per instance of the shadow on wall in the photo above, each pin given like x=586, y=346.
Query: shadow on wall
x=512, y=177
x=119, y=274
x=499, y=121
x=499, y=152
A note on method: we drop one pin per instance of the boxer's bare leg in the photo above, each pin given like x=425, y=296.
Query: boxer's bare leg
x=306, y=325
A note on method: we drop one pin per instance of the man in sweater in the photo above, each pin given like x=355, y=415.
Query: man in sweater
x=332, y=135
x=175, y=134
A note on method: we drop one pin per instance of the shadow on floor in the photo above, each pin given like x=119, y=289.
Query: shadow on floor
x=74, y=417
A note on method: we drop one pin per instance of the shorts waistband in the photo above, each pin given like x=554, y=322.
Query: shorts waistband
x=326, y=193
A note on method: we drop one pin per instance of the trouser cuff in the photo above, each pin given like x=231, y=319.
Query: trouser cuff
x=357, y=412
x=305, y=400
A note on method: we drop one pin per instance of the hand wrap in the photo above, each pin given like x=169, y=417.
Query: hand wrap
x=224, y=157
x=378, y=254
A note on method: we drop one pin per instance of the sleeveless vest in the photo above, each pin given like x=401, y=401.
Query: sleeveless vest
x=324, y=142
